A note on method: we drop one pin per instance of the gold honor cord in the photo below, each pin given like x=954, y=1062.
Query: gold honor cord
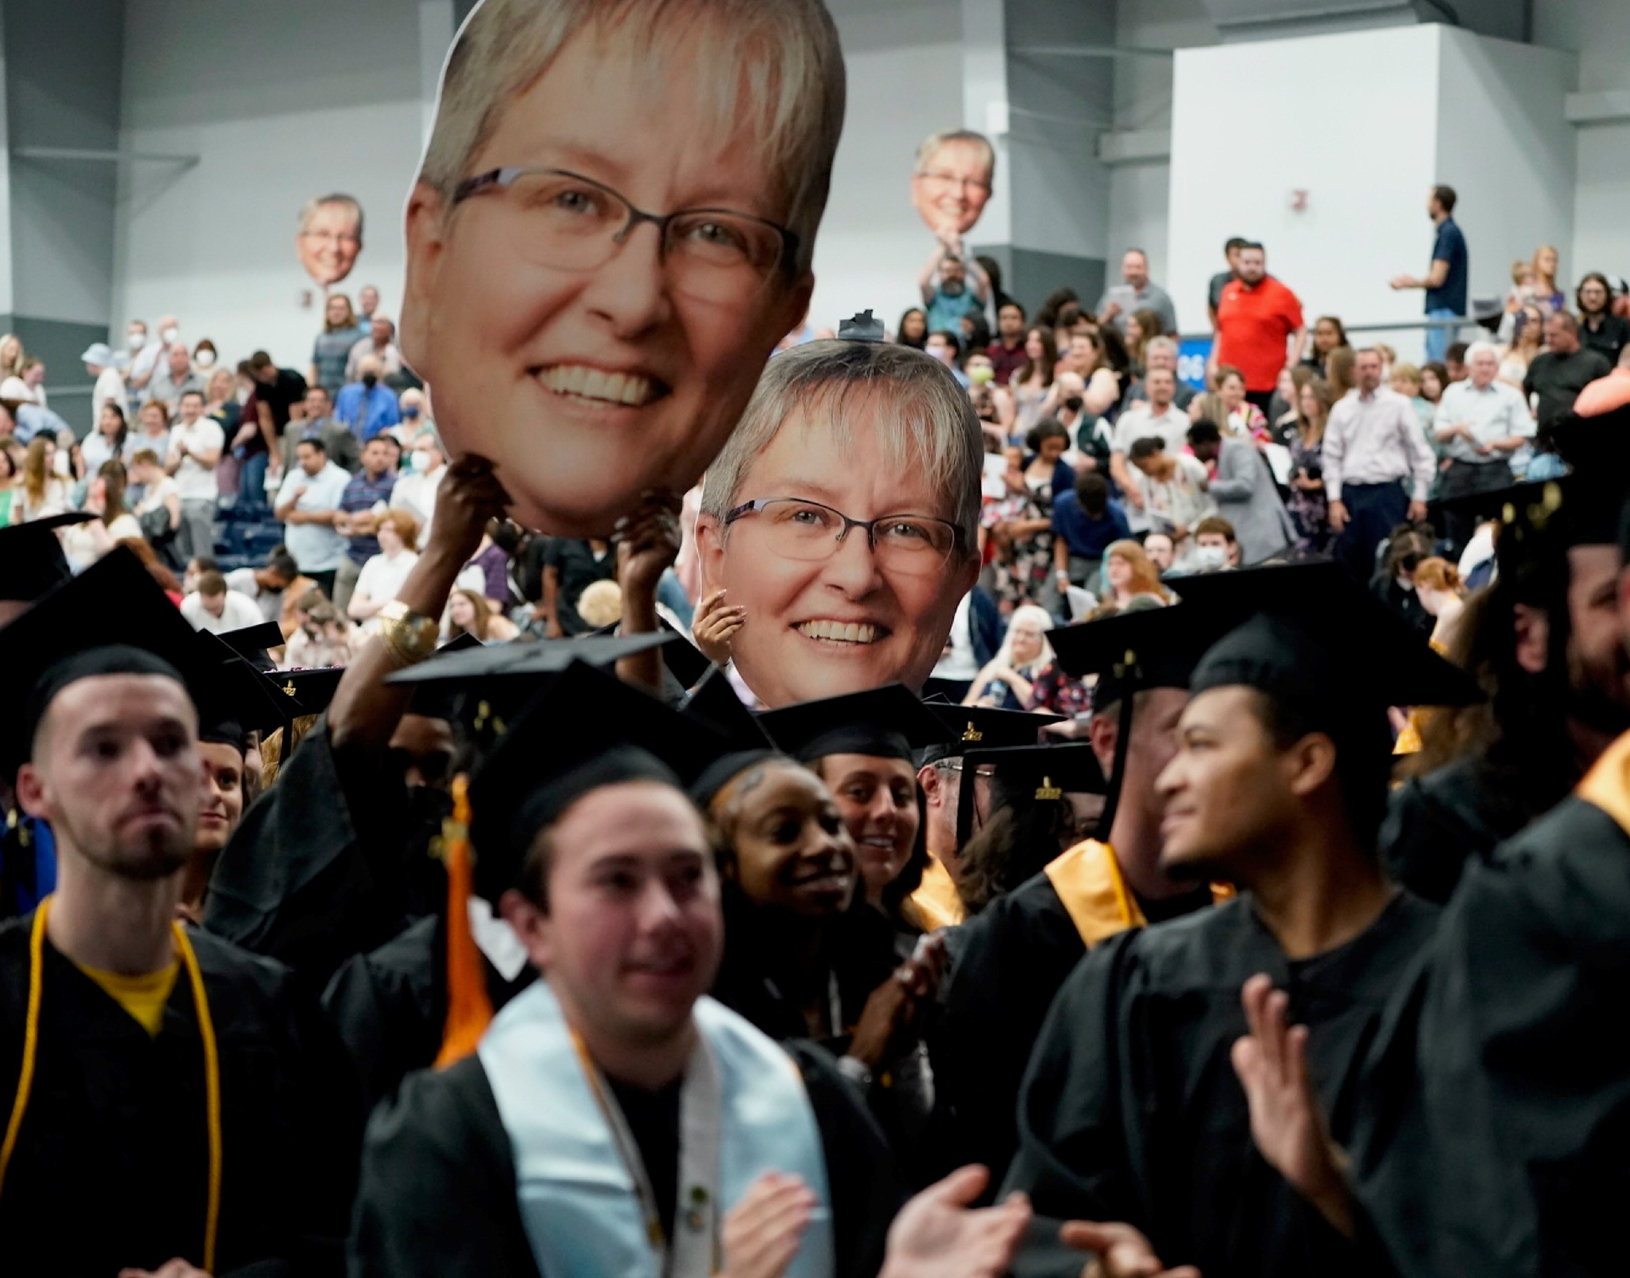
x=212, y=1067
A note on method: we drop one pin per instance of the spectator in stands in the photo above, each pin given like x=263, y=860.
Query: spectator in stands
x=1406, y=380
x=499, y=544
x=344, y=448
x=1527, y=340
x=1378, y=468
x=85, y=543
x=469, y=613
x=140, y=359
x=1454, y=362
x=154, y=427
x=1162, y=552
x=367, y=304
x=111, y=440
x=196, y=442
x=1158, y=352
x=946, y=346
x=1016, y=524
x=1244, y=491
x=1031, y=386
x=277, y=392
x=333, y=346
x=321, y=638
x=1600, y=329
x=1216, y=547
x=570, y=566
x=913, y=330
x=217, y=609
x=33, y=376
x=1136, y=292
x=1256, y=318
x=1222, y=279
x=1160, y=419
x=205, y=357
x=1172, y=489
x=1099, y=358
x=1558, y=373
x=1542, y=285
x=159, y=508
x=382, y=576
x=1007, y=353
x=1445, y=282
x=363, y=506
x=1141, y=327
x=194, y=571
x=1434, y=381
x=44, y=492
x=1243, y=416
x=11, y=356
x=380, y=341
x=1085, y=521
x=11, y=473
x=1479, y=424
x=98, y=359
x=951, y=285
x=366, y=406
x=415, y=490
x=1008, y=679
x=1308, y=508
x=1128, y=574
x=28, y=418
x=174, y=377
x=268, y=584
x=1329, y=334
x=308, y=502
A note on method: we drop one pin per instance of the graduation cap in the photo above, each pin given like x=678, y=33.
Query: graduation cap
x=714, y=702
x=1314, y=639
x=31, y=558
x=889, y=722
x=982, y=728
x=251, y=643
x=234, y=699
x=306, y=691
x=113, y=618
x=585, y=730
x=861, y=327
x=1028, y=774
x=519, y=660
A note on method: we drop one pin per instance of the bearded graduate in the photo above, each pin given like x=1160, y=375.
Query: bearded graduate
x=1130, y=1117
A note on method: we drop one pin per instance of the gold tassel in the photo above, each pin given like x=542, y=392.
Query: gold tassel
x=469, y=1009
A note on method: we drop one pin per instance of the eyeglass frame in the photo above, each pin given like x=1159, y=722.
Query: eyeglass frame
x=758, y=504
x=940, y=175
x=504, y=177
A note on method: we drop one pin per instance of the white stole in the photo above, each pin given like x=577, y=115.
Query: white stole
x=583, y=1193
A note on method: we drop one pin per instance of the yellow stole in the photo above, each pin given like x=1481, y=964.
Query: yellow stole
x=935, y=900
x=1089, y=882
x=1607, y=784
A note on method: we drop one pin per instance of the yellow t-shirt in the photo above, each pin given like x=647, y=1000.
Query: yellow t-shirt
x=142, y=996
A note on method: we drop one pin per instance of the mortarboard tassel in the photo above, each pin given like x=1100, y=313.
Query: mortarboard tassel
x=469, y=1009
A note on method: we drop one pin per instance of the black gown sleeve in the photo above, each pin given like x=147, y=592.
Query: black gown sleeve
x=438, y=1192
x=384, y=1005
x=867, y=1186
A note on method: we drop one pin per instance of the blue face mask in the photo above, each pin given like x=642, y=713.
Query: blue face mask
x=410, y=412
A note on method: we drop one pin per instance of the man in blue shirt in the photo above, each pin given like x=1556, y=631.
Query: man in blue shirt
x=1085, y=522
x=1445, y=283
x=364, y=500
x=367, y=407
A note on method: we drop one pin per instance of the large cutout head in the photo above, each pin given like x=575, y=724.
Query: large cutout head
x=329, y=238
x=612, y=227
x=842, y=517
x=951, y=180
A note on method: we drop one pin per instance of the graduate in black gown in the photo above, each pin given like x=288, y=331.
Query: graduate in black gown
x=170, y=1098
x=1012, y=958
x=1546, y=647
x=602, y=865
x=1131, y=1116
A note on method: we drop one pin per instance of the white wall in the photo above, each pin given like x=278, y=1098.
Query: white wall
x=1507, y=148
x=905, y=68
x=279, y=106
x=1250, y=122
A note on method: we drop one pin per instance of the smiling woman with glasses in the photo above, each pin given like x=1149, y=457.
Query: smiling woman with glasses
x=612, y=226
x=951, y=180
x=840, y=519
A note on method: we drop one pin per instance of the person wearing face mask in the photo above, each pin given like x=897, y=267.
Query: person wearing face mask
x=139, y=361
x=365, y=405
x=1244, y=491
x=380, y=340
x=205, y=356
x=415, y=491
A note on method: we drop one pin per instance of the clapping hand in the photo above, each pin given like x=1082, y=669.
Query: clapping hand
x=715, y=625
x=762, y=1232
x=937, y=1234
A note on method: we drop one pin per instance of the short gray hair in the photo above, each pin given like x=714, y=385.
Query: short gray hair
x=308, y=210
x=934, y=141
x=777, y=75
x=937, y=434
x=1161, y=343
x=1479, y=348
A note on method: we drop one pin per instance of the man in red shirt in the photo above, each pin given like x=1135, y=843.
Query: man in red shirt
x=1255, y=318
x=1007, y=351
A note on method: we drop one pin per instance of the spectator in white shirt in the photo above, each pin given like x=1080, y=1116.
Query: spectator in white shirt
x=307, y=503
x=196, y=442
x=415, y=492
x=1171, y=490
x=158, y=490
x=382, y=576
x=214, y=608
x=110, y=385
x=110, y=441
x=1479, y=423
x=1160, y=419
x=1378, y=467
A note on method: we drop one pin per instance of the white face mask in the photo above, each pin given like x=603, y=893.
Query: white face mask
x=169, y=335
x=204, y=359
x=135, y=340
x=421, y=459
x=1210, y=557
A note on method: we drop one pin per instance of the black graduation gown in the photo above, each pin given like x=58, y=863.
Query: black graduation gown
x=326, y=864
x=1511, y=1068
x=1436, y=823
x=1131, y=1109
x=111, y=1164
x=390, y=1005
x=438, y=1193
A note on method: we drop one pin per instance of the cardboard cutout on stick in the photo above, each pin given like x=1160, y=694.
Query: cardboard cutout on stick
x=330, y=237
x=611, y=227
x=951, y=180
